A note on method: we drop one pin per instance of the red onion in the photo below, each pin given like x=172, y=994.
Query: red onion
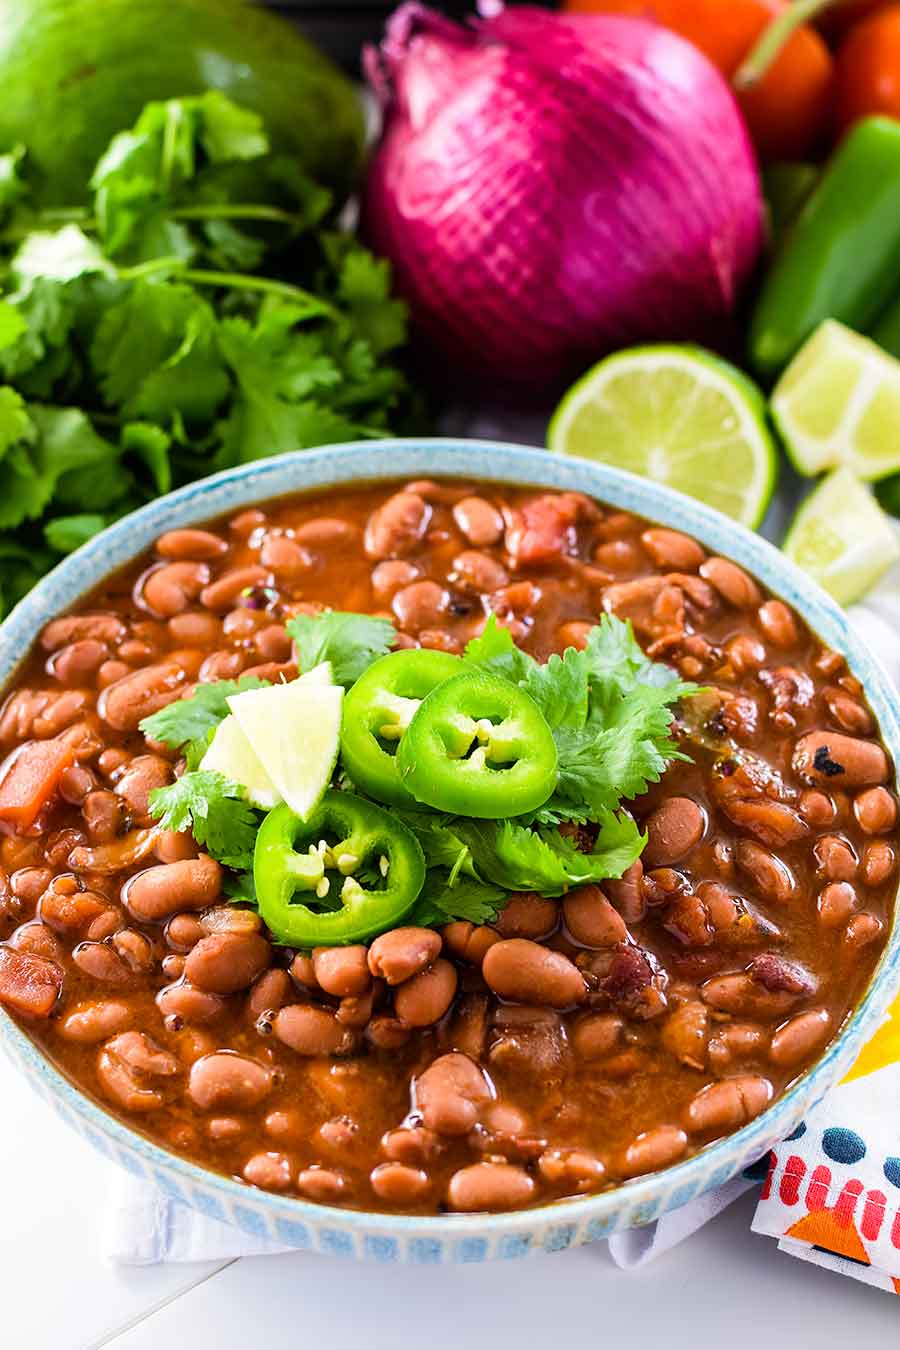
x=549, y=187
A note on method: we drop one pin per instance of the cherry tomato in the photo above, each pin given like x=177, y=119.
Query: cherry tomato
x=868, y=69
x=789, y=109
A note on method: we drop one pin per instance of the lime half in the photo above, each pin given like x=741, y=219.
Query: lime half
x=232, y=754
x=294, y=731
x=678, y=415
x=841, y=536
x=838, y=403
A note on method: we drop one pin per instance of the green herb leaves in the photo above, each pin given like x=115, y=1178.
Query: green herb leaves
x=204, y=314
x=351, y=642
x=215, y=811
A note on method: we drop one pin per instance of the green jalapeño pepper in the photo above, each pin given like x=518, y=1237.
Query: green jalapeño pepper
x=841, y=256
x=347, y=873
x=479, y=746
x=377, y=711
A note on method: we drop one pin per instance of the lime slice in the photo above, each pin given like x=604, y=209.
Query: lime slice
x=838, y=402
x=294, y=730
x=680, y=416
x=841, y=536
x=320, y=674
x=232, y=754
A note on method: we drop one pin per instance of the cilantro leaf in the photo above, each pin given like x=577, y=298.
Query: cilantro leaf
x=440, y=843
x=351, y=642
x=495, y=651
x=560, y=688
x=519, y=858
x=442, y=901
x=66, y=533
x=215, y=811
x=188, y=722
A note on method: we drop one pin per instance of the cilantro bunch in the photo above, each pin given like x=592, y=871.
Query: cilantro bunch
x=203, y=313
x=610, y=710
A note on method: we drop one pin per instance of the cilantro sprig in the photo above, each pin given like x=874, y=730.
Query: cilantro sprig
x=215, y=810
x=188, y=723
x=202, y=312
x=351, y=642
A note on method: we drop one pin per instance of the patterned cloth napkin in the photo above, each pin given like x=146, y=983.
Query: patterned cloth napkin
x=830, y=1193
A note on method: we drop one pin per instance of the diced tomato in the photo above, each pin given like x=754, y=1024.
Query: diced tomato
x=29, y=777
x=543, y=530
x=28, y=984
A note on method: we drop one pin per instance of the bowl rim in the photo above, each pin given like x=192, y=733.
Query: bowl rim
x=396, y=459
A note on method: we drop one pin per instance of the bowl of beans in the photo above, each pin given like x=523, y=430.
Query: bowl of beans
x=531, y=1066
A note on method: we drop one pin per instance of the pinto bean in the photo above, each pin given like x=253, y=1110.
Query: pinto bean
x=796, y=1039
x=653, y=1149
x=391, y=576
x=571, y=1168
x=674, y=828
x=37, y=940
x=75, y=783
x=164, y=890
x=323, y=1184
x=740, y=994
x=479, y=521
x=67, y=909
x=849, y=714
x=861, y=930
x=387, y=1033
x=878, y=862
x=401, y=953
x=835, y=903
x=835, y=858
x=285, y=558
x=527, y=915
x=450, y=1094
x=777, y=623
x=771, y=877
x=396, y=527
x=816, y=808
x=342, y=971
x=222, y=594
x=627, y=894
x=223, y=963
x=469, y=941
x=136, y=1072
x=597, y=1035
x=269, y=1171
x=728, y=1104
x=97, y=627
x=420, y=605
x=829, y=758
x=169, y=589
x=312, y=1031
x=478, y=572
x=77, y=662
x=192, y=545
x=732, y=582
x=97, y=1020
x=102, y=814
x=422, y=1000
x=143, y=775
x=271, y=991
x=489, y=1186
x=127, y=702
x=591, y=919
x=397, y=1184
x=527, y=972
x=226, y=1081
x=100, y=961
x=672, y=551
x=175, y=846
x=184, y=1002
x=30, y=985
x=875, y=811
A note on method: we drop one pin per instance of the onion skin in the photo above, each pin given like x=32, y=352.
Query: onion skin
x=551, y=187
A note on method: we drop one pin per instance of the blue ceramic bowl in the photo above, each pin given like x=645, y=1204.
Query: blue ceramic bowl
x=451, y=1238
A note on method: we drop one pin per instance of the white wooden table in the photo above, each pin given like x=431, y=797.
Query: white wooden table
x=725, y=1289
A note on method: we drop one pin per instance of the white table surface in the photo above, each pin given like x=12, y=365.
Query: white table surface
x=60, y=1292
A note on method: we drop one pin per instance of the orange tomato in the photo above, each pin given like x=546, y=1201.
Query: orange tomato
x=789, y=108
x=868, y=69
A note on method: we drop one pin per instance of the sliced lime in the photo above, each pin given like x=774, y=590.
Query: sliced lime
x=838, y=403
x=232, y=754
x=294, y=730
x=678, y=415
x=320, y=674
x=841, y=536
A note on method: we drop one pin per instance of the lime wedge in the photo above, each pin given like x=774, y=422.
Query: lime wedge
x=838, y=402
x=841, y=536
x=320, y=674
x=232, y=754
x=294, y=730
x=678, y=415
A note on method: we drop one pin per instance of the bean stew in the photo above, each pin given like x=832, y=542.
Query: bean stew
x=573, y=1042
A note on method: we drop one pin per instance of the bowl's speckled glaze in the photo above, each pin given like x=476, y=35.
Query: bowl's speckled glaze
x=451, y=1238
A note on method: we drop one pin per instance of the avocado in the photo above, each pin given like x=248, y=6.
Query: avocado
x=74, y=72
